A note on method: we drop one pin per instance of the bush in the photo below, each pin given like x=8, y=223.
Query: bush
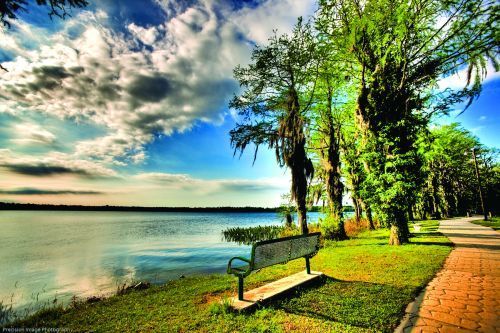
x=330, y=228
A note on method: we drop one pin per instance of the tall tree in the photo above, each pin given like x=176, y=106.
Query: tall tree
x=403, y=47
x=329, y=112
x=276, y=96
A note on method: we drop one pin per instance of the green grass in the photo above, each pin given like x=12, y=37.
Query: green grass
x=493, y=223
x=367, y=286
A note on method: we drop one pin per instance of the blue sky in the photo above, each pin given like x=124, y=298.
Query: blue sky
x=125, y=103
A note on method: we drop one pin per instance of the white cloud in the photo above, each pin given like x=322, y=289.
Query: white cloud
x=186, y=182
x=93, y=72
x=146, y=35
x=258, y=23
x=104, y=77
x=459, y=79
x=30, y=133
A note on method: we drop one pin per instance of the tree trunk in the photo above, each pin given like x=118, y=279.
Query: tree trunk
x=369, y=217
x=302, y=216
x=410, y=213
x=296, y=159
x=435, y=199
x=360, y=208
x=297, y=165
x=357, y=215
x=288, y=220
x=399, y=229
x=334, y=184
x=299, y=186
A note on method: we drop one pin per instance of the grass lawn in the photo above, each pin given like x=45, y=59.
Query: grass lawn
x=493, y=223
x=367, y=286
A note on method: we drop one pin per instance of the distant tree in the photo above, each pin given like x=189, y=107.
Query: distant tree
x=451, y=187
x=403, y=48
x=489, y=161
x=275, y=99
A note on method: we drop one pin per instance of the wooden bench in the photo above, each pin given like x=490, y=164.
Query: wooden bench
x=272, y=252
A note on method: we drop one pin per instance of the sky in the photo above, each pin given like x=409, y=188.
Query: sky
x=126, y=103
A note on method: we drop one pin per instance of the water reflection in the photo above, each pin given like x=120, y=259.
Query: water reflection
x=60, y=254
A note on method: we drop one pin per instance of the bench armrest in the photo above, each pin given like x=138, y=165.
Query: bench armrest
x=230, y=268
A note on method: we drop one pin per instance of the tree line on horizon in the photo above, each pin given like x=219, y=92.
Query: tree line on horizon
x=347, y=99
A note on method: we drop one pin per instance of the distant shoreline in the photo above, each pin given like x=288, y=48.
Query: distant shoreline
x=22, y=206
x=107, y=208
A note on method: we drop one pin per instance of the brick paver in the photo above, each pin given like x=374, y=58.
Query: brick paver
x=465, y=295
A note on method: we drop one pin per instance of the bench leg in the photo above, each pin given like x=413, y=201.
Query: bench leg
x=240, y=288
x=308, y=266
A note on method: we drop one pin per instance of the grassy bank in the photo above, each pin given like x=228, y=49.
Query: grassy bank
x=493, y=223
x=368, y=284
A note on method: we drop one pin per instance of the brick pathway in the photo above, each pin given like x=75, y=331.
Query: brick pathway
x=465, y=295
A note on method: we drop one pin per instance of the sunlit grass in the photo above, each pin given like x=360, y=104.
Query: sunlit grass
x=367, y=286
x=493, y=223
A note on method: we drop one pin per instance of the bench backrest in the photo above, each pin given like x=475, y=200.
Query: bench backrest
x=281, y=250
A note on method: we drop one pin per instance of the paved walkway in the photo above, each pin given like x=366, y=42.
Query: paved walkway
x=465, y=295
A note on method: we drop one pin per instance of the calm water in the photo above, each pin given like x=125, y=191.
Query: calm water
x=44, y=254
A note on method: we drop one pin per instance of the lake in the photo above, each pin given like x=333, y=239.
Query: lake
x=56, y=254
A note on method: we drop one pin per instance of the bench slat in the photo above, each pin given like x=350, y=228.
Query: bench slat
x=268, y=253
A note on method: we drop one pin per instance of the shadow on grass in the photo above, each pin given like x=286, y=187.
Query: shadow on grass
x=444, y=244
x=351, y=302
x=468, y=229
x=479, y=246
x=427, y=234
x=476, y=235
x=359, y=304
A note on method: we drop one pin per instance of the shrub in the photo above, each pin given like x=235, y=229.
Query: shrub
x=330, y=228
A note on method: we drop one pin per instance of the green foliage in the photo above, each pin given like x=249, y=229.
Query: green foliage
x=361, y=88
x=330, y=228
x=451, y=187
x=401, y=49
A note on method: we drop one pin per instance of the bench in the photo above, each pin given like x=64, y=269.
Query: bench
x=272, y=252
